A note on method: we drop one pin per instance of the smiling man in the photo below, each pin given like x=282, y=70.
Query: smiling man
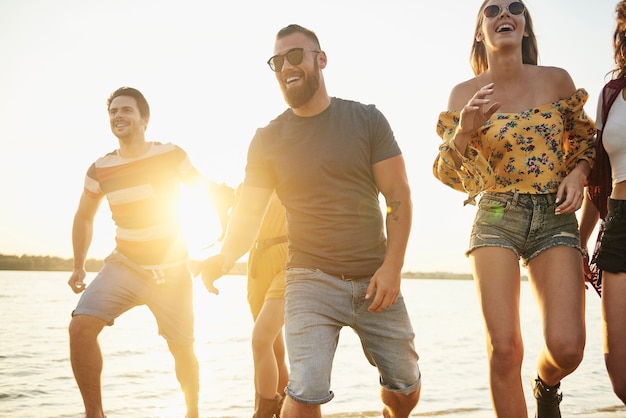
x=149, y=265
x=328, y=159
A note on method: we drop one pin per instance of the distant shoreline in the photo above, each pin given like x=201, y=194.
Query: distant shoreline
x=439, y=275
x=48, y=263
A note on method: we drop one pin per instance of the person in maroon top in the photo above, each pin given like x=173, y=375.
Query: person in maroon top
x=606, y=200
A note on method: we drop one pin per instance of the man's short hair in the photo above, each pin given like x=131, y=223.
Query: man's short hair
x=293, y=28
x=142, y=103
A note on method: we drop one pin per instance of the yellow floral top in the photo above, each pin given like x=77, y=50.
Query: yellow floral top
x=526, y=152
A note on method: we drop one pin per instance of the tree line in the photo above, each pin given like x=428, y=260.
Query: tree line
x=44, y=263
x=49, y=263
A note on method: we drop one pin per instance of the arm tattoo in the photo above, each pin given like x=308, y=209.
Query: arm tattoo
x=392, y=210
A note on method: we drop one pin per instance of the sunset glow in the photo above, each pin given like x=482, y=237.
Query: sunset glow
x=209, y=89
x=199, y=222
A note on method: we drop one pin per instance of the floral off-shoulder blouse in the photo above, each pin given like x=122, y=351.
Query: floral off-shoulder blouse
x=526, y=152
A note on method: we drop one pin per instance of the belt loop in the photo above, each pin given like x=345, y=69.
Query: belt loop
x=515, y=198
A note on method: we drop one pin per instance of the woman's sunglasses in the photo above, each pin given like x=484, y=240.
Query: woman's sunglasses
x=294, y=56
x=515, y=8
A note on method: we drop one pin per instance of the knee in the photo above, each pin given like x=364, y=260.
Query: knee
x=398, y=404
x=507, y=354
x=182, y=351
x=84, y=328
x=260, y=342
x=567, y=354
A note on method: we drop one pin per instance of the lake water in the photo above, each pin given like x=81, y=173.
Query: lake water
x=138, y=379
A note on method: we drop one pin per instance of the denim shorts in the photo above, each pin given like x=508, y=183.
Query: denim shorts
x=612, y=254
x=523, y=223
x=317, y=306
x=120, y=286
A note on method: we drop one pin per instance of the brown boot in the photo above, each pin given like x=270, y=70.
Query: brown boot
x=548, y=399
x=266, y=408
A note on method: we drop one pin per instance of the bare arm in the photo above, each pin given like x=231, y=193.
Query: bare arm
x=82, y=234
x=242, y=230
x=571, y=191
x=391, y=180
x=222, y=196
x=475, y=112
x=589, y=217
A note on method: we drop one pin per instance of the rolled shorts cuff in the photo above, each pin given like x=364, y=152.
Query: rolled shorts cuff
x=408, y=390
x=320, y=401
x=95, y=313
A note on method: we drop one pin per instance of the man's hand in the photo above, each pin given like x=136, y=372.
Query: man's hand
x=77, y=280
x=386, y=285
x=212, y=269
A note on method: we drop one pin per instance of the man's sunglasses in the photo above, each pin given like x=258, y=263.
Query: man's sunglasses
x=515, y=8
x=294, y=56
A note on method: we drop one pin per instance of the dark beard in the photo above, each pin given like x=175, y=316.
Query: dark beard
x=299, y=96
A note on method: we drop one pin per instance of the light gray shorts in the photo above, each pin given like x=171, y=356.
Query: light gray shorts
x=317, y=306
x=122, y=285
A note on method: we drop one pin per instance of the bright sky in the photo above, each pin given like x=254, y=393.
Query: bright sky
x=201, y=65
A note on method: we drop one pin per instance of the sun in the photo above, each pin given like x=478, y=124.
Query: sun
x=199, y=222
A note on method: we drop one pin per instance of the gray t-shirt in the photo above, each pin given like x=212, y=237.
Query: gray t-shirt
x=321, y=168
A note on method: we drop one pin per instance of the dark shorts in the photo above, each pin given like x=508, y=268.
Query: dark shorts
x=523, y=223
x=612, y=254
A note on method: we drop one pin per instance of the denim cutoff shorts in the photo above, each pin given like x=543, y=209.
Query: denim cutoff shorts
x=523, y=223
x=317, y=306
x=122, y=285
x=612, y=254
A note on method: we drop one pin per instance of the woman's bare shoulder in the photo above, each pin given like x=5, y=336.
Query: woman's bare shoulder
x=556, y=80
x=462, y=92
